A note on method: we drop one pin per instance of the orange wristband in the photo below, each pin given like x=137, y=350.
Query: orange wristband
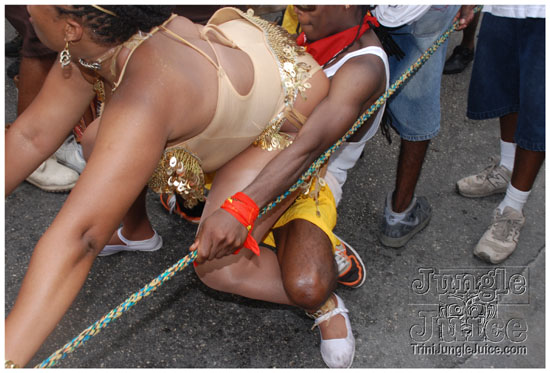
x=245, y=210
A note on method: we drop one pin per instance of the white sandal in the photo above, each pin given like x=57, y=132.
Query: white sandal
x=151, y=244
x=336, y=353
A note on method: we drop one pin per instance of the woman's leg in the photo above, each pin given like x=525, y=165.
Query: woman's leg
x=245, y=274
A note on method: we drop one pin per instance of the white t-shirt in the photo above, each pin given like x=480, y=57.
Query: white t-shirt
x=516, y=11
x=399, y=15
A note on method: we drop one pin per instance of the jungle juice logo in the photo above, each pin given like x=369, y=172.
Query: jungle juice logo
x=457, y=311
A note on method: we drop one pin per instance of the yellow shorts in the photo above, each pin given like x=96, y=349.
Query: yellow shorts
x=306, y=208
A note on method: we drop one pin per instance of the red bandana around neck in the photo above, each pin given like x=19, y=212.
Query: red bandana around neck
x=323, y=50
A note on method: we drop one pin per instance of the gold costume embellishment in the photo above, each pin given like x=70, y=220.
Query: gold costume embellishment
x=179, y=172
x=270, y=138
x=294, y=76
x=11, y=365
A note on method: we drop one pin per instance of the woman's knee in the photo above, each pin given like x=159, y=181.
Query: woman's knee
x=219, y=275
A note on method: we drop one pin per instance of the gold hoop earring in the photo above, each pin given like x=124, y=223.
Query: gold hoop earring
x=65, y=56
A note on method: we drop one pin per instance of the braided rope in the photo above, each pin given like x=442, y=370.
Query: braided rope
x=115, y=313
x=96, y=327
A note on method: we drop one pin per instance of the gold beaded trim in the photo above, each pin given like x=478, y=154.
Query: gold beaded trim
x=270, y=138
x=325, y=308
x=11, y=365
x=294, y=76
x=179, y=172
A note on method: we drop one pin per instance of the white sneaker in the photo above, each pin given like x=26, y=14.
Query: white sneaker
x=492, y=180
x=501, y=239
x=151, y=244
x=51, y=176
x=336, y=353
x=70, y=154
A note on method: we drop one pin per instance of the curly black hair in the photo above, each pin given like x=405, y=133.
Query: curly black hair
x=108, y=29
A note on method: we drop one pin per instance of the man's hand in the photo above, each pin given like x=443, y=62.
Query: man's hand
x=464, y=16
x=219, y=235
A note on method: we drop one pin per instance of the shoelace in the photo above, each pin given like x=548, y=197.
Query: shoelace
x=504, y=226
x=484, y=175
x=172, y=203
x=341, y=258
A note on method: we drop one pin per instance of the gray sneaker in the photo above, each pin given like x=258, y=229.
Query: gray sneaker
x=492, y=180
x=397, y=233
x=501, y=239
x=70, y=154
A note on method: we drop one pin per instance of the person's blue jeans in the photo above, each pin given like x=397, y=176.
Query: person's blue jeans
x=415, y=108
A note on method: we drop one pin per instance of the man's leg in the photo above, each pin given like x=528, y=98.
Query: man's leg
x=415, y=114
x=463, y=53
x=404, y=214
x=411, y=158
x=309, y=278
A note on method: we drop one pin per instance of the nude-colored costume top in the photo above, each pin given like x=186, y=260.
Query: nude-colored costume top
x=281, y=70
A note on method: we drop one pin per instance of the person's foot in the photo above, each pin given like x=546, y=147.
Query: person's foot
x=120, y=243
x=70, y=154
x=351, y=270
x=173, y=204
x=337, y=340
x=501, y=239
x=459, y=60
x=397, y=231
x=492, y=180
x=51, y=176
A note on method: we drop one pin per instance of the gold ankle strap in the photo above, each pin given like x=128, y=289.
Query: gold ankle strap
x=10, y=365
x=329, y=305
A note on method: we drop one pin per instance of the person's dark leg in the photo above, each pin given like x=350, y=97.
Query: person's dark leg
x=307, y=263
x=469, y=33
x=404, y=213
x=309, y=275
x=463, y=53
x=411, y=158
x=526, y=168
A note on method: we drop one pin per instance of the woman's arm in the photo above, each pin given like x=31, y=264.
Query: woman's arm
x=353, y=89
x=41, y=128
x=130, y=141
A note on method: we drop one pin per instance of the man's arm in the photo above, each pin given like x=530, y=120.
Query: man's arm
x=353, y=89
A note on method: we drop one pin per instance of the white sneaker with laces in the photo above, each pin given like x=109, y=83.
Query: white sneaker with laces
x=492, y=180
x=501, y=239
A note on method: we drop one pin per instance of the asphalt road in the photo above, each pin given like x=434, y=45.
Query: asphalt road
x=187, y=325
